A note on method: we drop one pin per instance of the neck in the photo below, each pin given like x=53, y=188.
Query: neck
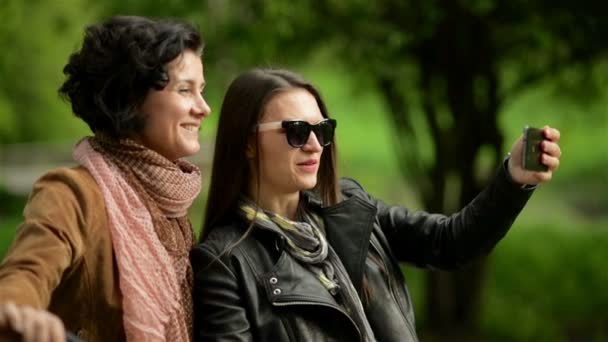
x=285, y=205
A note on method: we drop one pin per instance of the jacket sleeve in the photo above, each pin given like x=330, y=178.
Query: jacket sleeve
x=46, y=244
x=447, y=242
x=219, y=314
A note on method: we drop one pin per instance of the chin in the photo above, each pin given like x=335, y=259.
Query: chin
x=190, y=150
x=307, y=184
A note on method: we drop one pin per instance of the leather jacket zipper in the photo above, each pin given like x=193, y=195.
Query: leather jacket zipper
x=287, y=303
x=393, y=287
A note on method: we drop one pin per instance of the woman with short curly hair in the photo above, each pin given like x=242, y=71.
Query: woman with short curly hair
x=103, y=248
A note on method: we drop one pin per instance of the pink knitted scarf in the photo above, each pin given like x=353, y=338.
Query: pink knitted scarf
x=153, y=278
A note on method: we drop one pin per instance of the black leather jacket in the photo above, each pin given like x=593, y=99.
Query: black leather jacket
x=258, y=292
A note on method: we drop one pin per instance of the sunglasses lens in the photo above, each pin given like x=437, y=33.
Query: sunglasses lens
x=298, y=133
x=324, y=132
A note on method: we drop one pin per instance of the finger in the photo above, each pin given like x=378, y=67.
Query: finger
x=6, y=327
x=551, y=162
x=13, y=316
x=551, y=133
x=57, y=330
x=542, y=177
x=40, y=329
x=31, y=325
x=551, y=149
x=34, y=325
x=43, y=327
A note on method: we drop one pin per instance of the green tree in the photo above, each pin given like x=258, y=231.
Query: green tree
x=445, y=69
x=37, y=37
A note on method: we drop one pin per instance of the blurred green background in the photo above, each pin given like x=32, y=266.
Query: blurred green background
x=545, y=281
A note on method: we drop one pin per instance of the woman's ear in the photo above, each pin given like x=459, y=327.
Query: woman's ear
x=250, y=149
x=250, y=152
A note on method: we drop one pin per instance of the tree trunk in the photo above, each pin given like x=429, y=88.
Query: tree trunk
x=458, y=81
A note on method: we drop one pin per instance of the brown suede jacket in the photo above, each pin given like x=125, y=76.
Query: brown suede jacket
x=62, y=257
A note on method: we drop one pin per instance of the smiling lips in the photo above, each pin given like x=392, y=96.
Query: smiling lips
x=191, y=127
x=309, y=165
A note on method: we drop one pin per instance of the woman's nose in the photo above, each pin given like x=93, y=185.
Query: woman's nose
x=200, y=106
x=312, y=144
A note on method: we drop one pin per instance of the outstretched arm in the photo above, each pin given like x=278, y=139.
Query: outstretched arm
x=446, y=242
x=47, y=244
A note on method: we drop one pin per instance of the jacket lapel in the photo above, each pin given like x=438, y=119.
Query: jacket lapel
x=348, y=226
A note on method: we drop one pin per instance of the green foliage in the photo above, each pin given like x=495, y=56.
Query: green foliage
x=444, y=70
x=579, y=182
x=548, y=283
x=10, y=217
x=11, y=204
x=41, y=35
x=545, y=280
x=7, y=232
x=545, y=283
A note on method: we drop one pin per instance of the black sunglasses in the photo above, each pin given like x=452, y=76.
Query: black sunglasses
x=298, y=131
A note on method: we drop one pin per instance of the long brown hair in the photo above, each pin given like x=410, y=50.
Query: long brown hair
x=243, y=105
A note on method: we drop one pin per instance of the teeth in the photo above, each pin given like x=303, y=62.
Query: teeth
x=191, y=128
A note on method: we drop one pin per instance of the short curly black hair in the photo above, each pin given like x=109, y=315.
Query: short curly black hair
x=120, y=60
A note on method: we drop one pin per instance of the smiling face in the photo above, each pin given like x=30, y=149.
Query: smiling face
x=173, y=115
x=285, y=170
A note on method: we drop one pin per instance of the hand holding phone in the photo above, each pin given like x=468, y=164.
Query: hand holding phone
x=532, y=150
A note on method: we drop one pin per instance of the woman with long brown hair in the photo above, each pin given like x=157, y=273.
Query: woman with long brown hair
x=289, y=253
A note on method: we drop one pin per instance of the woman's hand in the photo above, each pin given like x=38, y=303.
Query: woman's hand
x=550, y=156
x=31, y=324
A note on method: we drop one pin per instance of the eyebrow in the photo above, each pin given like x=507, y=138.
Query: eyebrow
x=190, y=81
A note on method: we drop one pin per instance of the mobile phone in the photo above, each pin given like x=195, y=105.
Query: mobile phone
x=532, y=151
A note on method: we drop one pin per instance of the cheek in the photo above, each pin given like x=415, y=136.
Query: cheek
x=155, y=127
x=168, y=113
x=275, y=157
x=181, y=108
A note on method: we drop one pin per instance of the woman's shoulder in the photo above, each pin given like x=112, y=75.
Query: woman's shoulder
x=220, y=238
x=350, y=184
x=68, y=202
x=221, y=246
x=349, y=187
x=72, y=178
x=236, y=239
x=66, y=189
x=237, y=249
